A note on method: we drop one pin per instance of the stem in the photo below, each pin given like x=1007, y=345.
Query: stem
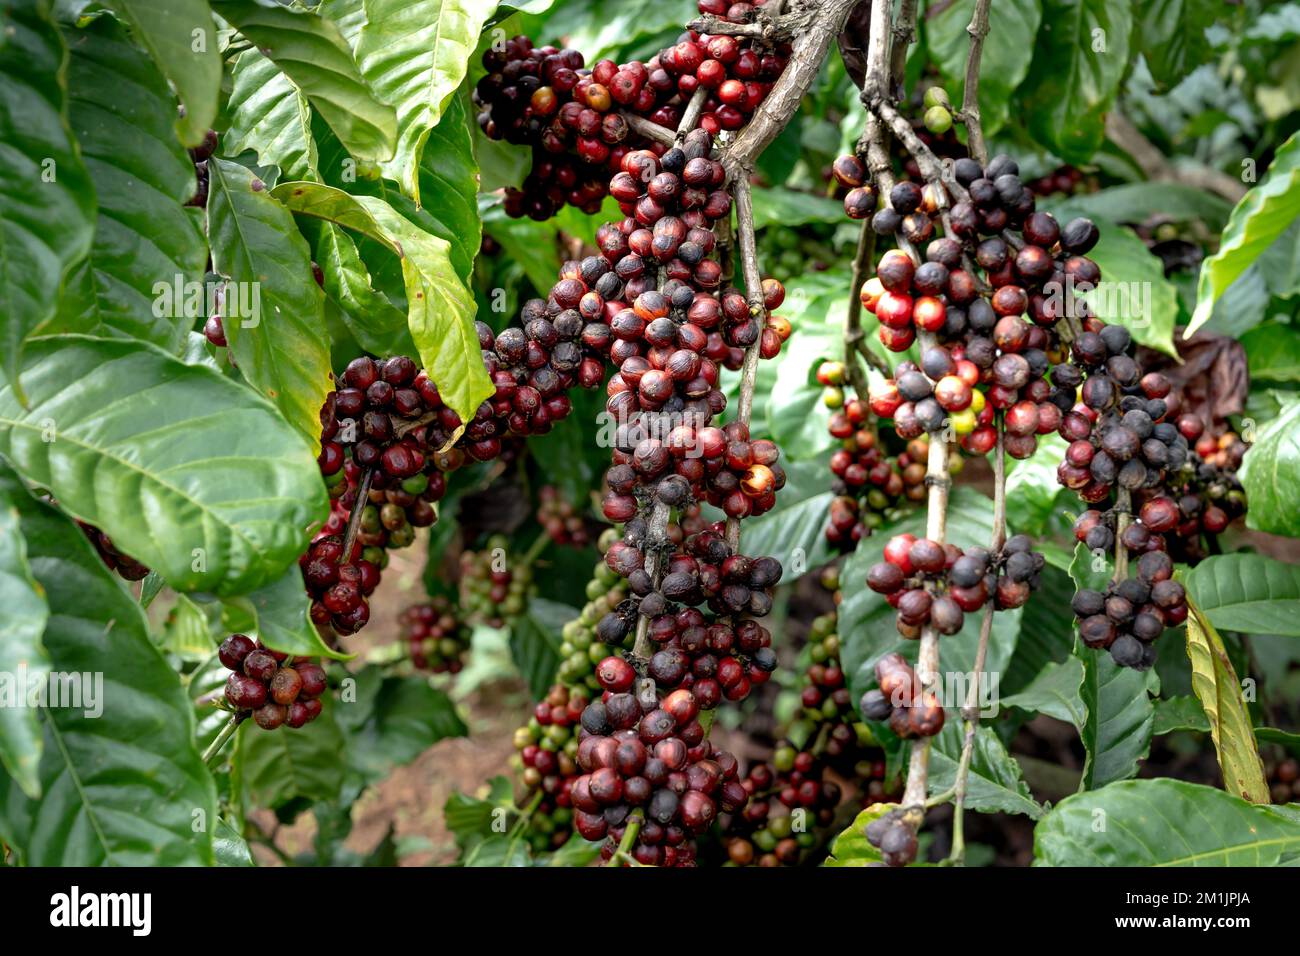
x=1123, y=516
x=904, y=34
x=227, y=730
x=978, y=29
x=692, y=114
x=855, y=344
x=652, y=131
x=970, y=712
x=624, y=852
x=754, y=290
x=354, y=519
x=814, y=27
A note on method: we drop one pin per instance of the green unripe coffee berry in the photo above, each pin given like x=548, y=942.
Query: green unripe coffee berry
x=936, y=96
x=938, y=120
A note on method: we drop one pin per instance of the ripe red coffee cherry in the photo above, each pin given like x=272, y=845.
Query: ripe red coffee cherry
x=926, y=556
x=286, y=685
x=897, y=552
x=234, y=649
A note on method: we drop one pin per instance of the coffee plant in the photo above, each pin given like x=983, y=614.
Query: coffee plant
x=777, y=433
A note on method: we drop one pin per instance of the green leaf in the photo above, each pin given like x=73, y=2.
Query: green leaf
x=1271, y=473
x=796, y=529
x=415, y=53
x=1033, y=488
x=535, y=643
x=777, y=205
x=1054, y=692
x=1216, y=685
x=148, y=252
x=121, y=779
x=1179, y=713
x=188, y=472
x=377, y=325
x=1137, y=202
x=394, y=720
x=277, y=766
x=1071, y=83
x=318, y=61
x=1046, y=631
x=1003, y=64
x=994, y=784
x=229, y=845
x=270, y=116
x=1263, y=214
x=181, y=37
x=534, y=245
x=275, y=332
x=1171, y=37
x=1273, y=352
x=1149, y=823
x=21, y=650
x=470, y=818
x=1133, y=291
x=1117, y=730
x=281, y=612
x=1247, y=592
x=441, y=308
x=47, y=204
x=188, y=631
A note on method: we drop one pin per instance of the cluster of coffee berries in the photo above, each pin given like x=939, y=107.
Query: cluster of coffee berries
x=825, y=696
x=547, y=762
x=1209, y=494
x=894, y=837
x=902, y=701
x=650, y=758
x=791, y=798
x=936, y=585
x=436, y=637
x=561, y=519
x=574, y=118
x=1117, y=433
x=391, y=515
x=338, y=585
x=126, y=567
x=269, y=685
x=493, y=588
x=1064, y=179
x=1132, y=612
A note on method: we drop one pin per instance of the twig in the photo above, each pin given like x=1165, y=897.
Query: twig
x=855, y=344
x=971, y=712
x=653, y=131
x=227, y=730
x=1123, y=513
x=904, y=34
x=354, y=519
x=1121, y=131
x=754, y=291
x=692, y=114
x=817, y=27
x=977, y=29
